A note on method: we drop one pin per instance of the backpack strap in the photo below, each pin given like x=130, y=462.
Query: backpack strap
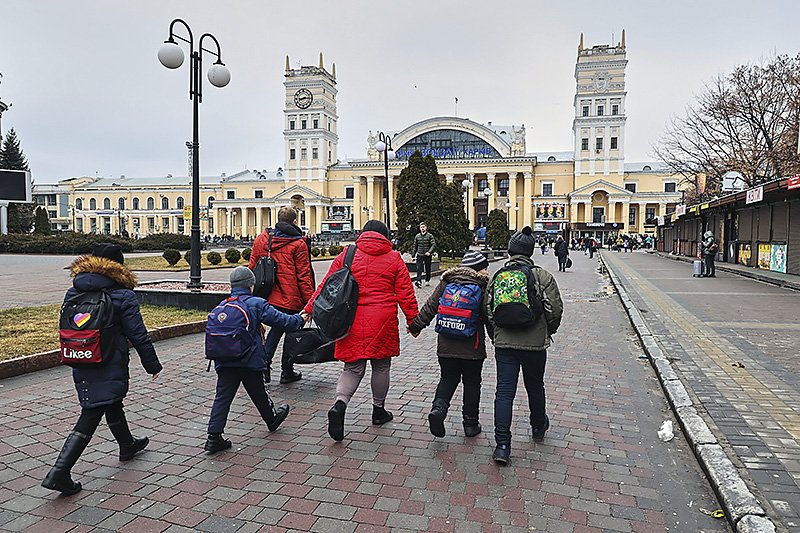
x=349, y=255
x=269, y=246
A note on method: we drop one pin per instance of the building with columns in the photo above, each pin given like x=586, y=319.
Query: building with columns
x=589, y=190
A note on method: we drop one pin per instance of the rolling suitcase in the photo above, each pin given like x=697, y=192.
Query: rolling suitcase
x=697, y=268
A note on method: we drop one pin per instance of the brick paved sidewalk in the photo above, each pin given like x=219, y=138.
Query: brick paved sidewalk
x=600, y=468
x=708, y=325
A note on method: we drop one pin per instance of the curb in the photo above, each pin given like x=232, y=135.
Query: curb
x=742, y=509
x=44, y=360
x=754, y=274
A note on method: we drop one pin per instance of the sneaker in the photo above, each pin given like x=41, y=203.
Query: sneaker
x=290, y=376
x=380, y=416
x=280, y=415
x=418, y=284
x=127, y=451
x=538, y=433
x=216, y=443
x=502, y=454
x=427, y=283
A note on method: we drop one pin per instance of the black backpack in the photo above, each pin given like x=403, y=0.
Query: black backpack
x=87, y=329
x=266, y=273
x=335, y=306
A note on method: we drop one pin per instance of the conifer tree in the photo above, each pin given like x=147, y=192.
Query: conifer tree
x=41, y=222
x=20, y=216
x=455, y=235
x=497, y=230
x=418, y=199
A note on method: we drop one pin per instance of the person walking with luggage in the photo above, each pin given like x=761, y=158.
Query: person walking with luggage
x=249, y=368
x=423, y=248
x=562, y=253
x=457, y=305
x=708, y=251
x=383, y=284
x=524, y=307
x=102, y=277
x=294, y=282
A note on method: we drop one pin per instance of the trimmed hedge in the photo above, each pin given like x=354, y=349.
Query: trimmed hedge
x=315, y=251
x=64, y=243
x=171, y=256
x=214, y=258
x=246, y=253
x=188, y=256
x=162, y=241
x=335, y=250
x=232, y=255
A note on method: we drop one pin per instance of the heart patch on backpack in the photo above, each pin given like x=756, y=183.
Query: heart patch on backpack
x=81, y=318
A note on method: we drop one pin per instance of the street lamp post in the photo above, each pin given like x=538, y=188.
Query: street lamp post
x=171, y=56
x=466, y=185
x=384, y=146
x=487, y=192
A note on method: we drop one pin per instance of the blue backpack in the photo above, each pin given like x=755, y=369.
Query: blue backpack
x=459, y=310
x=229, y=334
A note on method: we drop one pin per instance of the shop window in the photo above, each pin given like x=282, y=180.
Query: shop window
x=670, y=187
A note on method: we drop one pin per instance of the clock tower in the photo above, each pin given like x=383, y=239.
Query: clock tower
x=309, y=121
x=599, y=124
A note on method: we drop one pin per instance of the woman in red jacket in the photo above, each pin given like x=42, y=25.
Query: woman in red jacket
x=383, y=283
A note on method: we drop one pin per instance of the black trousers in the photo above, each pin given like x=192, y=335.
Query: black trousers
x=115, y=416
x=509, y=363
x=562, y=262
x=455, y=371
x=710, y=267
x=228, y=381
x=424, y=261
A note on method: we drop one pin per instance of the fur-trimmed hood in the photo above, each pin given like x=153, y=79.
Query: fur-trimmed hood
x=466, y=274
x=116, y=272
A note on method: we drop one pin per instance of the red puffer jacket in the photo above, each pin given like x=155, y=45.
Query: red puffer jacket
x=294, y=285
x=383, y=283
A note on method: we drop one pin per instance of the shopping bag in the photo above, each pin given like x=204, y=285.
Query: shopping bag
x=569, y=263
x=308, y=346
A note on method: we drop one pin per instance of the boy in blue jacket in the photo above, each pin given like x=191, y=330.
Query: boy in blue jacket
x=249, y=371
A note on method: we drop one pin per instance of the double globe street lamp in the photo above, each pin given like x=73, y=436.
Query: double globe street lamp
x=171, y=56
x=384, y=146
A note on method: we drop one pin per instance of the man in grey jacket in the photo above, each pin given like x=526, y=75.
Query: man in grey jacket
x=424, y=246
x=708, y=251
x=524, y=346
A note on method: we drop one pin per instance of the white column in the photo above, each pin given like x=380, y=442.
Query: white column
x=259, y=221
x=357, y=203
x=320, y=217
x=587, y=211
x=470, y=200
x=492, y=203
x=4, y=218
x=612, y=217
x=229, y=220
x=527, y=213
x=640, y=217
x=373, y=213
x=512, y=197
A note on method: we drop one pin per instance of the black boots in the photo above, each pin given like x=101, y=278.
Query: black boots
x=128, y=444
x=538, y=432
x=380, y=415
x=290, y=376
x=336, y=421
x=280, y=415
x=472, y=427
x=216, y=443
x=436, y=417
x=502, y=454
x=59, y=477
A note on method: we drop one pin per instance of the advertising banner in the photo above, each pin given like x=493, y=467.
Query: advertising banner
x=777, y=261
x=764, y=256
x=745, y=253
x=551, y=210
x=754, y=195
x=794, y=182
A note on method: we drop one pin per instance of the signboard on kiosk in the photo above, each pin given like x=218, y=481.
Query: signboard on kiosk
x=794, y=182
x=754, y=195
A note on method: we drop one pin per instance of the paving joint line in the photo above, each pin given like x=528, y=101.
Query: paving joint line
x=743, y=510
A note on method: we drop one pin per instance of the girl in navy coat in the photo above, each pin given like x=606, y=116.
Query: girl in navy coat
x=101, y=388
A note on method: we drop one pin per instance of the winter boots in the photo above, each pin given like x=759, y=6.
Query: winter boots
x=472, y=427
x=336, y=420
x=59, y=477
x=436, y=417
x=538, y=432
x=129, y=445
x=216, y=443
x=380, y=416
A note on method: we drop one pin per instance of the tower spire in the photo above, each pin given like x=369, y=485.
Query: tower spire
x=334, y=71
x=287, y=62
x=580, y=46
x=321, y=65
x=623, y=38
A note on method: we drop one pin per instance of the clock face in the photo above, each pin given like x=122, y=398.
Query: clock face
x=303, y=98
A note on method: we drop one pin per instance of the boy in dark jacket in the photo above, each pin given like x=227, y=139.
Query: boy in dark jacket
x=423, y=248
x=251, y=370
x=460, y=358
x=101, y=388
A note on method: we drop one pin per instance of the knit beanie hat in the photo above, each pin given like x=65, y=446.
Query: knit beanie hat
x=474, y=260
x=242, y=277
x=522, y=242
x=378, y=226
x=109, y=251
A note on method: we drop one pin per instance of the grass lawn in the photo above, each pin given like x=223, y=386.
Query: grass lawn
x=159, y=263
x=29, y=330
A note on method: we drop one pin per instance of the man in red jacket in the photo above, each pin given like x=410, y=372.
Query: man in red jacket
x=294, y=284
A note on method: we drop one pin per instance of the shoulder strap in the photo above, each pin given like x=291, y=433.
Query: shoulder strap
x=269, y=246
x=349, y=255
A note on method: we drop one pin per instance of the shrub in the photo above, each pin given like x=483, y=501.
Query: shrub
x=188, y=256
x=315, y=251
x=162, y=241
x=246, y=254
x=214, y=258
x=232, y=255
x=335, y=250
x=63, y=243
x=171, y=256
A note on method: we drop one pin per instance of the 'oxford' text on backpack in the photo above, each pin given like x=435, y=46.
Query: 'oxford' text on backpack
x=513, y=305
x=228, y=331
x=87, y=329
x=335, y=306
x=459, y=310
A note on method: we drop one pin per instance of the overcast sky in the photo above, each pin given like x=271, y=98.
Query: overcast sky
x=90, y=97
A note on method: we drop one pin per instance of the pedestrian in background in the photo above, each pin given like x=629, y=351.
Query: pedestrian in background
x=102, y=387
x=423, y=248
x=383, y=284
x=708, y=251
x=562, y=253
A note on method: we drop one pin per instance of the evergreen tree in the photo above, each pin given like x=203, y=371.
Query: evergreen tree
x=455, y=234
x=497, y=230
x=41, y=222
x=20, y=216
x=419, y=195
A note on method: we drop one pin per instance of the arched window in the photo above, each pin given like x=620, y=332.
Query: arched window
x=107, y=203
x=151, y=203
x=179, y=202
x=164, y=202
x=136, y=203
x=647, y=168
x=92, y=204
x=210, y=202
x=121, y=204
x=79, y=204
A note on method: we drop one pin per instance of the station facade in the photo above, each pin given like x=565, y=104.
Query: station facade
x=587, y=190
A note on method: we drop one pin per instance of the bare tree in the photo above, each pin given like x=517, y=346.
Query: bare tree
x=746, y=121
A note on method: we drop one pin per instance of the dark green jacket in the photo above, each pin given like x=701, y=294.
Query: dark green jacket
x=537, y=336
x=423, y=244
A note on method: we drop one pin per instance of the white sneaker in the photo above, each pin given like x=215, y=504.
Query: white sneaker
x=427, y=283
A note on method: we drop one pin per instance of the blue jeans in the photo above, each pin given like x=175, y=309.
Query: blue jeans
x=271, y=344
x=509, y=363
x=228, y=381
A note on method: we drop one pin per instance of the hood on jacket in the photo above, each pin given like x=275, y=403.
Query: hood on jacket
x=285, y=229
x=89, y=264
x=521, y=260
x=708, y=235
x=466, y=275
x=373, y=243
